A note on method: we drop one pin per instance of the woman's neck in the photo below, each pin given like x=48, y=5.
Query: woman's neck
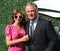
x=16, y=24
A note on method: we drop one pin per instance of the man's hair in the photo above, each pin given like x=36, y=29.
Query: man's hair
x=32, y=4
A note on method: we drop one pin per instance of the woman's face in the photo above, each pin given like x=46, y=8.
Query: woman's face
x=18, y=18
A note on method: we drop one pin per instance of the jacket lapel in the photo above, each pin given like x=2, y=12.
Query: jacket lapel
x=27, y=28
x=38, y=26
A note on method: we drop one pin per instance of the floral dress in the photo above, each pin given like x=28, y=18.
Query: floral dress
x=13, y=32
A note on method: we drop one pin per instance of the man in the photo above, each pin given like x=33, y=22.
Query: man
x=43, y=37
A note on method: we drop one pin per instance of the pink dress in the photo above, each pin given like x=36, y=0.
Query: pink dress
x=14, y=33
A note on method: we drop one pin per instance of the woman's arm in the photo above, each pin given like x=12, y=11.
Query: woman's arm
x=12, y=42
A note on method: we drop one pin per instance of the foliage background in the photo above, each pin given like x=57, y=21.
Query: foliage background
x=6, y=7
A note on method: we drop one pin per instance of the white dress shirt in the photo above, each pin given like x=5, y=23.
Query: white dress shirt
x=35, y=22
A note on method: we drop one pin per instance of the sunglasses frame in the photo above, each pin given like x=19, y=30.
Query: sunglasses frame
x=18, y=17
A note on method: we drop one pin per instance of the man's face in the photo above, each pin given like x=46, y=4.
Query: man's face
x=31, y=12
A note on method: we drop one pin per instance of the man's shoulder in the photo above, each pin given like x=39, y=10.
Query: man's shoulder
x=44, y=20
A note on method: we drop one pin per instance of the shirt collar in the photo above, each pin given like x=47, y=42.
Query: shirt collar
x=36, y=19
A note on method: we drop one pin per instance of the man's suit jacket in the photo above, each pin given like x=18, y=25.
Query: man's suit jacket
x=44, y=36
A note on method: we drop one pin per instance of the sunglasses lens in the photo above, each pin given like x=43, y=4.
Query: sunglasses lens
x=16, y=17
x=20, y=16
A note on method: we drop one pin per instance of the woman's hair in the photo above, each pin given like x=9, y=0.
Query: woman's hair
x=14, y=14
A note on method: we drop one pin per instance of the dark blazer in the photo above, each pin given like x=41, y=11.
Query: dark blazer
x=44, y=36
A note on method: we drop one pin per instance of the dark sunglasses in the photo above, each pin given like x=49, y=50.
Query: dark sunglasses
x=18, y=17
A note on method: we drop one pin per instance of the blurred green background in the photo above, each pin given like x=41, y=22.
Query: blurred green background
x=6, y=7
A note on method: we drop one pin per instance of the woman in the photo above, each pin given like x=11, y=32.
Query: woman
x=15, y=32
